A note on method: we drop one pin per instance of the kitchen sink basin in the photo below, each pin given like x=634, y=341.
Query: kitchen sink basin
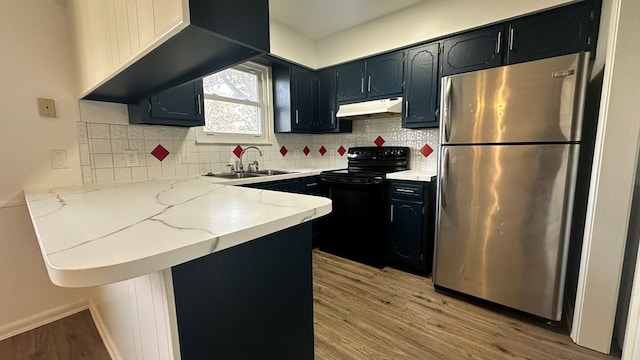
x=243, y=175
x=271, y=172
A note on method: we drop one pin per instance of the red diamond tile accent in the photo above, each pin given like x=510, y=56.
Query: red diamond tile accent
x=306, y=150
x=283, y=150
x=160, y=152
x=379, y=141
x=322, y=150
x=237, y=151
x=426, y=150
x=341, y=150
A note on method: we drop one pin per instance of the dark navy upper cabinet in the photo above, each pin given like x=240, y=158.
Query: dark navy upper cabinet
x=304, y=101
x=293, y=98
x=420, y=108
x=179, y=106
x=326, y=105
x=304, y=95
x=385, y=74
x=374, y=78
x=350, y=81
x=551, y=33
x=476, y=50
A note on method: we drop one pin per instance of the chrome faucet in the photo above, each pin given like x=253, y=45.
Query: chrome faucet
x=255, y=163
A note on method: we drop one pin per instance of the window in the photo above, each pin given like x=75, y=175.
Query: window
x=237, y=105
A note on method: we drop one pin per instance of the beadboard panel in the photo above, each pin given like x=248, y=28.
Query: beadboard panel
x=135, y=318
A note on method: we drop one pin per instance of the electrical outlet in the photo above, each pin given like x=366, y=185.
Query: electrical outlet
x=47, y=107
x=131, y=158
x=59, y=159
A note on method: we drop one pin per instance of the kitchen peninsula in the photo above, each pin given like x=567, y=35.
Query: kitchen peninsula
x=236, y=262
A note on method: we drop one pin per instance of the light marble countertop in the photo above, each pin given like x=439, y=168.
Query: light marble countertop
x=97, y=234
x=412, y=175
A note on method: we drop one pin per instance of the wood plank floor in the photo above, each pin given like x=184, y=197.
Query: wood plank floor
x=366, y=313
x=361, y=313
x=70, y=338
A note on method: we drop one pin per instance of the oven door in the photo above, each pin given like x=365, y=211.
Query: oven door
x=355, y=227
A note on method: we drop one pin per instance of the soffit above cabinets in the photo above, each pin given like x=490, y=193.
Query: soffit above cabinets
x=316, y=19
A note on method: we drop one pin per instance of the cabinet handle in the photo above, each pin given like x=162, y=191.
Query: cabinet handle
x=149, y=106
x=362, y=85
x=199, y=100
x=297, y=117
x=424, y=210
x=391, y=213
x=369, y=84
x=406, y=191
x=406, y=109
x=499, y=42
x=510, y=39
x=333, y=119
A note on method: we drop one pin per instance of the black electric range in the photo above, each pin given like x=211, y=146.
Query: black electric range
x=355, y=228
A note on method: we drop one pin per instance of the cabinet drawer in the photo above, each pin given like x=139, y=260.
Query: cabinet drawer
x=407, y=191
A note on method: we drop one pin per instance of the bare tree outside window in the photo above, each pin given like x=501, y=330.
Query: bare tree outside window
x=233, y=101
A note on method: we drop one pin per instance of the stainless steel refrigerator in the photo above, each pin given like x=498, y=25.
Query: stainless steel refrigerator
x=509, y=145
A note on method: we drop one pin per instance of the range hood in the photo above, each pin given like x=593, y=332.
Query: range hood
x=220, y=34
x=370, y=109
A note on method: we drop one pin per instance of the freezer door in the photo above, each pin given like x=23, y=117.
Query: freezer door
x=538, y=101
x=503, y=223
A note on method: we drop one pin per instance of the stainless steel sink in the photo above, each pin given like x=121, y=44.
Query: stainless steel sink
x=243, y=175
x=272, y=172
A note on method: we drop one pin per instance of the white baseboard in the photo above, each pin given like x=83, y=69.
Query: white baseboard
x=32, y=322
x=104, y=333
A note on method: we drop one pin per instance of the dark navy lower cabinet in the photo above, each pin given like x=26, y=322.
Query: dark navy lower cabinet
x=251, y=301
x=420, y=108
x=410, y=226
x=179, y=106
x=292, y=186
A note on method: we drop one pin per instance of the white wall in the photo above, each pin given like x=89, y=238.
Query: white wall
x=290, y=45
x=35, y=62
x=423, y=21
x=612, y=182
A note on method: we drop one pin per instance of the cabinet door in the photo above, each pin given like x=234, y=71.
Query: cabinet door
x=326, y=96
x=182, y=102
x=406, y=240
x=477, y=50
x=385, y=74
x=350, y=81
x=421, y=90
x=551, y=33
x=179, y=106
x=304, y=94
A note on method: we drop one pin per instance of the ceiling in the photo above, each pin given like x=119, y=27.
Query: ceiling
x=316, y=19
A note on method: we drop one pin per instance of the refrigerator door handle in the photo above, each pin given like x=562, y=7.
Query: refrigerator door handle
x=447, y=108
x=444, y=177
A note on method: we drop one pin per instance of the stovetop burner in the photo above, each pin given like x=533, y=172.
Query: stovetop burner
x=373, y=162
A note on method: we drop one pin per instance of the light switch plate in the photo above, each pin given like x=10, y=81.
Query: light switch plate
x=59, y=159
x=47, y=107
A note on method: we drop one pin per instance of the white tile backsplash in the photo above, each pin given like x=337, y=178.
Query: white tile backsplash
x=102, y=147
x=98, y=131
